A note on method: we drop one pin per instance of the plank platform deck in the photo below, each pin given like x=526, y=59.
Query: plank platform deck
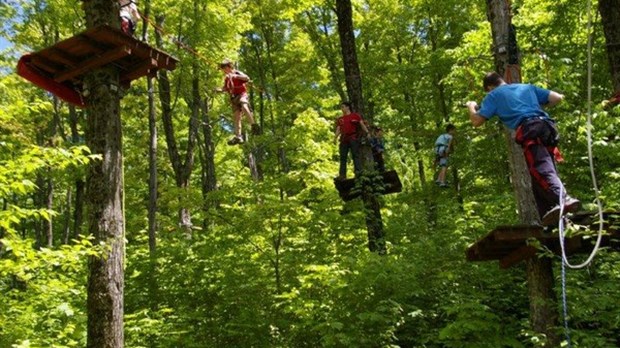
x=66, y=62
x=511, y=244
x=348, y=190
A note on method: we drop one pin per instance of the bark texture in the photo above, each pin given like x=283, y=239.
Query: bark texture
x=104, y=193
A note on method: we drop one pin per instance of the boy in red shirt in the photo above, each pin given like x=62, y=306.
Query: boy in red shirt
x=234, y=84
x=346, y=130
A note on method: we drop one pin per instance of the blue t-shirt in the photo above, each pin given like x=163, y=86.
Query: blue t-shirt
x=515, y=102
x=442, y=142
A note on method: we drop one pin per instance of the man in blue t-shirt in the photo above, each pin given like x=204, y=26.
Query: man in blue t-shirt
x=520, y=108
x=443, y=148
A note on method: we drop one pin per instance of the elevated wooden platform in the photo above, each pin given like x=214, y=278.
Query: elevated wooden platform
x=61, y=68
x=348, y=191
x=512, y=244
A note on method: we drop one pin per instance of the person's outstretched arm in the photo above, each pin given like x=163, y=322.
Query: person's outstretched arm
x=554, y=99
x=474, y=116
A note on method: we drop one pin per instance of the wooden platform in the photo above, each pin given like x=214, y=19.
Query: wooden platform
x=347, y=188
x=67, y=61
x=512, y=244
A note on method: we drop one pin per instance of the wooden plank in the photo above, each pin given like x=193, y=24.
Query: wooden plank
x=93, y=63
x=139, y=70
x=519, y=234
x=81, y=46
x=522, y=253
x=62, y=57
x=115, y=37
x=44, y=64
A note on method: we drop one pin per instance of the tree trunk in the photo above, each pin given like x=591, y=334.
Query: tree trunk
x=66, y=225
x=44, y=200
x=610, y=17
x=539, y=271
x=182, y=168
x=374, y=223
x=353, y=78
x=543, y=301
x=78, y=212
x=79, y=183
x=104, y=199
x=153, y=196
x=208, y=174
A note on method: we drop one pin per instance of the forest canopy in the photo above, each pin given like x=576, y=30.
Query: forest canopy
x=250, y=245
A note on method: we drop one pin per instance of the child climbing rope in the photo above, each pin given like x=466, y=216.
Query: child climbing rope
x=443, y=149
x=346, y=130
x=129, y=16
x=520, y=107
x=234, y=85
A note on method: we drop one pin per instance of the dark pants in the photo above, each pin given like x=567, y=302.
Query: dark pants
x=354, y=147
x=539, y=137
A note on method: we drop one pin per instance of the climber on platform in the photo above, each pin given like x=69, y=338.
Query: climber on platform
x=520, y=108
x=347, y=131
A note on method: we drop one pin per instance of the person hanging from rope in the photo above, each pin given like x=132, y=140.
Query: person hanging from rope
x=443, y=148
x=347, y=127
x=377, y=145
x=520, y=107
x=129, y=16
x=234, y=85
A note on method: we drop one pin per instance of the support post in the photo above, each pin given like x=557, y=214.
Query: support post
x=543, y=302
x=374, y=223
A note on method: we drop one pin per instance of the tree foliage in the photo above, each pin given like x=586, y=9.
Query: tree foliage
x=283, y=262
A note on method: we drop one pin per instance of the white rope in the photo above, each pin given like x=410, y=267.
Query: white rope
x=591, y=162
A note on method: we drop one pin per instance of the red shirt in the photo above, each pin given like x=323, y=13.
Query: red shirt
x=348, y=126
x=234, y=85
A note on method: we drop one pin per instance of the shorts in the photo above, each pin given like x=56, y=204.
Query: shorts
x=237, y=101
x=442, y=161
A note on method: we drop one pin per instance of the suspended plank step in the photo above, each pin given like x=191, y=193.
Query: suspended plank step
x=513, y=244
x=348, y=190
x=60, y=69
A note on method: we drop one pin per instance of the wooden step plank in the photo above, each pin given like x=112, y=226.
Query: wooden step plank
x=518, y=255
x=139, y=70
x=517, y=233
x=62, y=57
x=348, y=190
x=115, y=37
x=80, y=46
x=509, y=244
x=95, y=62
x=44, y=64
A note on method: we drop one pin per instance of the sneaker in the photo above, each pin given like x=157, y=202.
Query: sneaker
x=256, y=129
x=443, y=185
x=235, y=140
x=571, y=205
x=552, y=217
